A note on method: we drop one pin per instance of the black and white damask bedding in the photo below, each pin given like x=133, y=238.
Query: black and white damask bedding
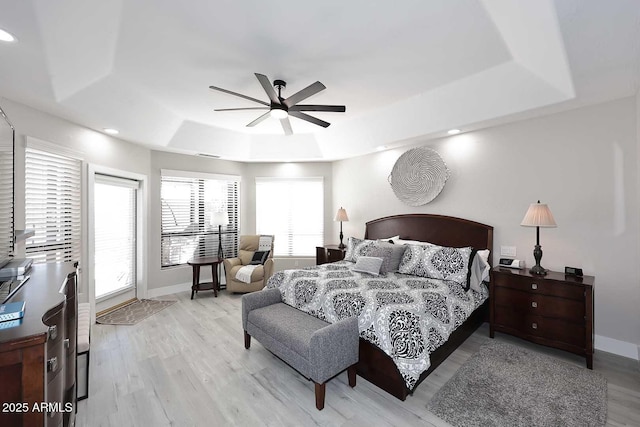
x=406, y=316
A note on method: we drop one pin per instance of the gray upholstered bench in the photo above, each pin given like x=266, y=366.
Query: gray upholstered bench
x=315, y=348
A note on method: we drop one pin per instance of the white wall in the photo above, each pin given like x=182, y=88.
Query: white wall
x=583, y=163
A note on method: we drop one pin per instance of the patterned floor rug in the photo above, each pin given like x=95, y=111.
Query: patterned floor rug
x=131, y=314
x=504, y=385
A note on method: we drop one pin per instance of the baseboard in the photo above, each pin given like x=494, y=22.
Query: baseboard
x=168, y=290
x=621, y=348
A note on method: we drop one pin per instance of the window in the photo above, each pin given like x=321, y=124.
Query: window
x=292, y=209
x=52, y=206
x=190, y=202
x=6, y=188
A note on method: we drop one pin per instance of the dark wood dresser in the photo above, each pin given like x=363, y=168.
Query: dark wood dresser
x=554, y=310
x=37, y=357
x=329, y=253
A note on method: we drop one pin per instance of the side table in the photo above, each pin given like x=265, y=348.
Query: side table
x=195, y=264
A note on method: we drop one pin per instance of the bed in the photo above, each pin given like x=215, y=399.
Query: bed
x=397, y=312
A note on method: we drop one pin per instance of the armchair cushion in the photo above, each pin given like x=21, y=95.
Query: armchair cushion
x=259, y=257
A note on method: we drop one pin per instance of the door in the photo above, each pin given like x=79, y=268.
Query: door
x=115, y=246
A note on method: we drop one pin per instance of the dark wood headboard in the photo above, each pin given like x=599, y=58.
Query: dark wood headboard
x=441, y=230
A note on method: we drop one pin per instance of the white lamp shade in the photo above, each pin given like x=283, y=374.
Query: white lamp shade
x=538, y=215
x=219, y=218
x=341, y=215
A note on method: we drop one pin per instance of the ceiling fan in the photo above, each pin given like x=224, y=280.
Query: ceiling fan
x=281, y=108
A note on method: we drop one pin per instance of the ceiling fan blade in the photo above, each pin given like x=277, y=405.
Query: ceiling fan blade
x=266, y=85
x=309, y=118
x=260, y=119
x=241, y=109
x=304, y=94
x=240, y=95
x=330, y=108
x=286, y=125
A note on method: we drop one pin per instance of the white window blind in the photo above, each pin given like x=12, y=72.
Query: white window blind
x=6, y=188
x=115, y=211
x=52, y=206
x=189, y=201
x=292, y=209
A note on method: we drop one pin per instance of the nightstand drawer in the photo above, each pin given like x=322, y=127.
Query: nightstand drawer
x=539, y=286
x=544, y=327
x=537, y=304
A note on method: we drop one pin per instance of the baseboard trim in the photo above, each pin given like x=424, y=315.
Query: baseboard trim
x=168, y=290
x=621, y=348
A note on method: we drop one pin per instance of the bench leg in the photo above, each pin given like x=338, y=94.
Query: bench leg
x=247, y=340
x=351, y=372
x=320, y=389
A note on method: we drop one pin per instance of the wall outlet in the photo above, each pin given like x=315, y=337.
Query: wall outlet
x=509, y=251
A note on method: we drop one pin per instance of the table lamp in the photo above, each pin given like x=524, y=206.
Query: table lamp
x=538, y=215
x=341, y=216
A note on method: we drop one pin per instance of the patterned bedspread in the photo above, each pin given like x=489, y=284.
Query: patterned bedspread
x=408, y=317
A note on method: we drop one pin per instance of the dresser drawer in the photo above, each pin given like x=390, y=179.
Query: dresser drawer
x=54, y=319
x=538, y=304
x=539, y=286
x=544, y=327
x=56, y=358
x=334, y=255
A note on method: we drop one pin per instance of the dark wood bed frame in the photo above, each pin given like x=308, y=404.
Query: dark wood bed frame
x=377, y=367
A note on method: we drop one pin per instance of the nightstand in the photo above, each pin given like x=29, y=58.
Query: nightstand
x=555, y=310
x=329, y=253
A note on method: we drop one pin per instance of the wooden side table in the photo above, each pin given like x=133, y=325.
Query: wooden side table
x=554, y=310
x=329, y=253
x=195, y=264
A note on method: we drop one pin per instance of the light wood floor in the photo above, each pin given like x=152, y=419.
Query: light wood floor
x=187, y=366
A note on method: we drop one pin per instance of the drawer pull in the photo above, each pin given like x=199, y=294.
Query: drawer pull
x=534, y=325
x=52, y=364
x=53, y=332
x=534, y=304
x=67, y=343
x=534, y=286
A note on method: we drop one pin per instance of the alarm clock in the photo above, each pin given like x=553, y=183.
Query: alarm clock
x=573, y=271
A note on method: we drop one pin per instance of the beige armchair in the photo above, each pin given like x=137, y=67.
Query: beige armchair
x=259, y=277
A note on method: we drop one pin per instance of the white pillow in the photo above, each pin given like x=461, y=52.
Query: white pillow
x=480, y=270
x=368, y=264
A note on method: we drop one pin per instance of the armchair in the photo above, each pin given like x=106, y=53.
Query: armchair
x=259, y=277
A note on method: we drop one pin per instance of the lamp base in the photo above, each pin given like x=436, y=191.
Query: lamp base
x=342, y=246
x=538, y=270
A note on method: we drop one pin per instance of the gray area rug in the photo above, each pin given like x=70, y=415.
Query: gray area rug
x=504, y=385
x=131, y=314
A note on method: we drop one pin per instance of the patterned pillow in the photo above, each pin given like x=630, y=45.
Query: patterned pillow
x=356, y=248
x=439, y=262
x=390, y=253
x=368, y=264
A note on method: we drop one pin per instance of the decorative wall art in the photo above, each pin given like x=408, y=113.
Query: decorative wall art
x=418, y=176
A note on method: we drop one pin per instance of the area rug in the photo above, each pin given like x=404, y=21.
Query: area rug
x=504, y=385
x=131, y=314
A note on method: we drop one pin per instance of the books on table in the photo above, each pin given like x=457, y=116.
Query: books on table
x=16, y=268
x=12, y=311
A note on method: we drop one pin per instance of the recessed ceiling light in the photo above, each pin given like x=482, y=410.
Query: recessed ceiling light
x=454, y=131
x=111, y=131
x=6, y=36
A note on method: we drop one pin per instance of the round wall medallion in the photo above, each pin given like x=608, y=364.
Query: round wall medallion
x=418, y=176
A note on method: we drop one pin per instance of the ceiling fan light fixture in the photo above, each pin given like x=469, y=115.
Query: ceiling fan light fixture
x=6, y=36
x=278, y=113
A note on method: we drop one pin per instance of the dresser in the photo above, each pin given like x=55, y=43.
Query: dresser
x=555, y=310
x=329, y=253
x=37, y=357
